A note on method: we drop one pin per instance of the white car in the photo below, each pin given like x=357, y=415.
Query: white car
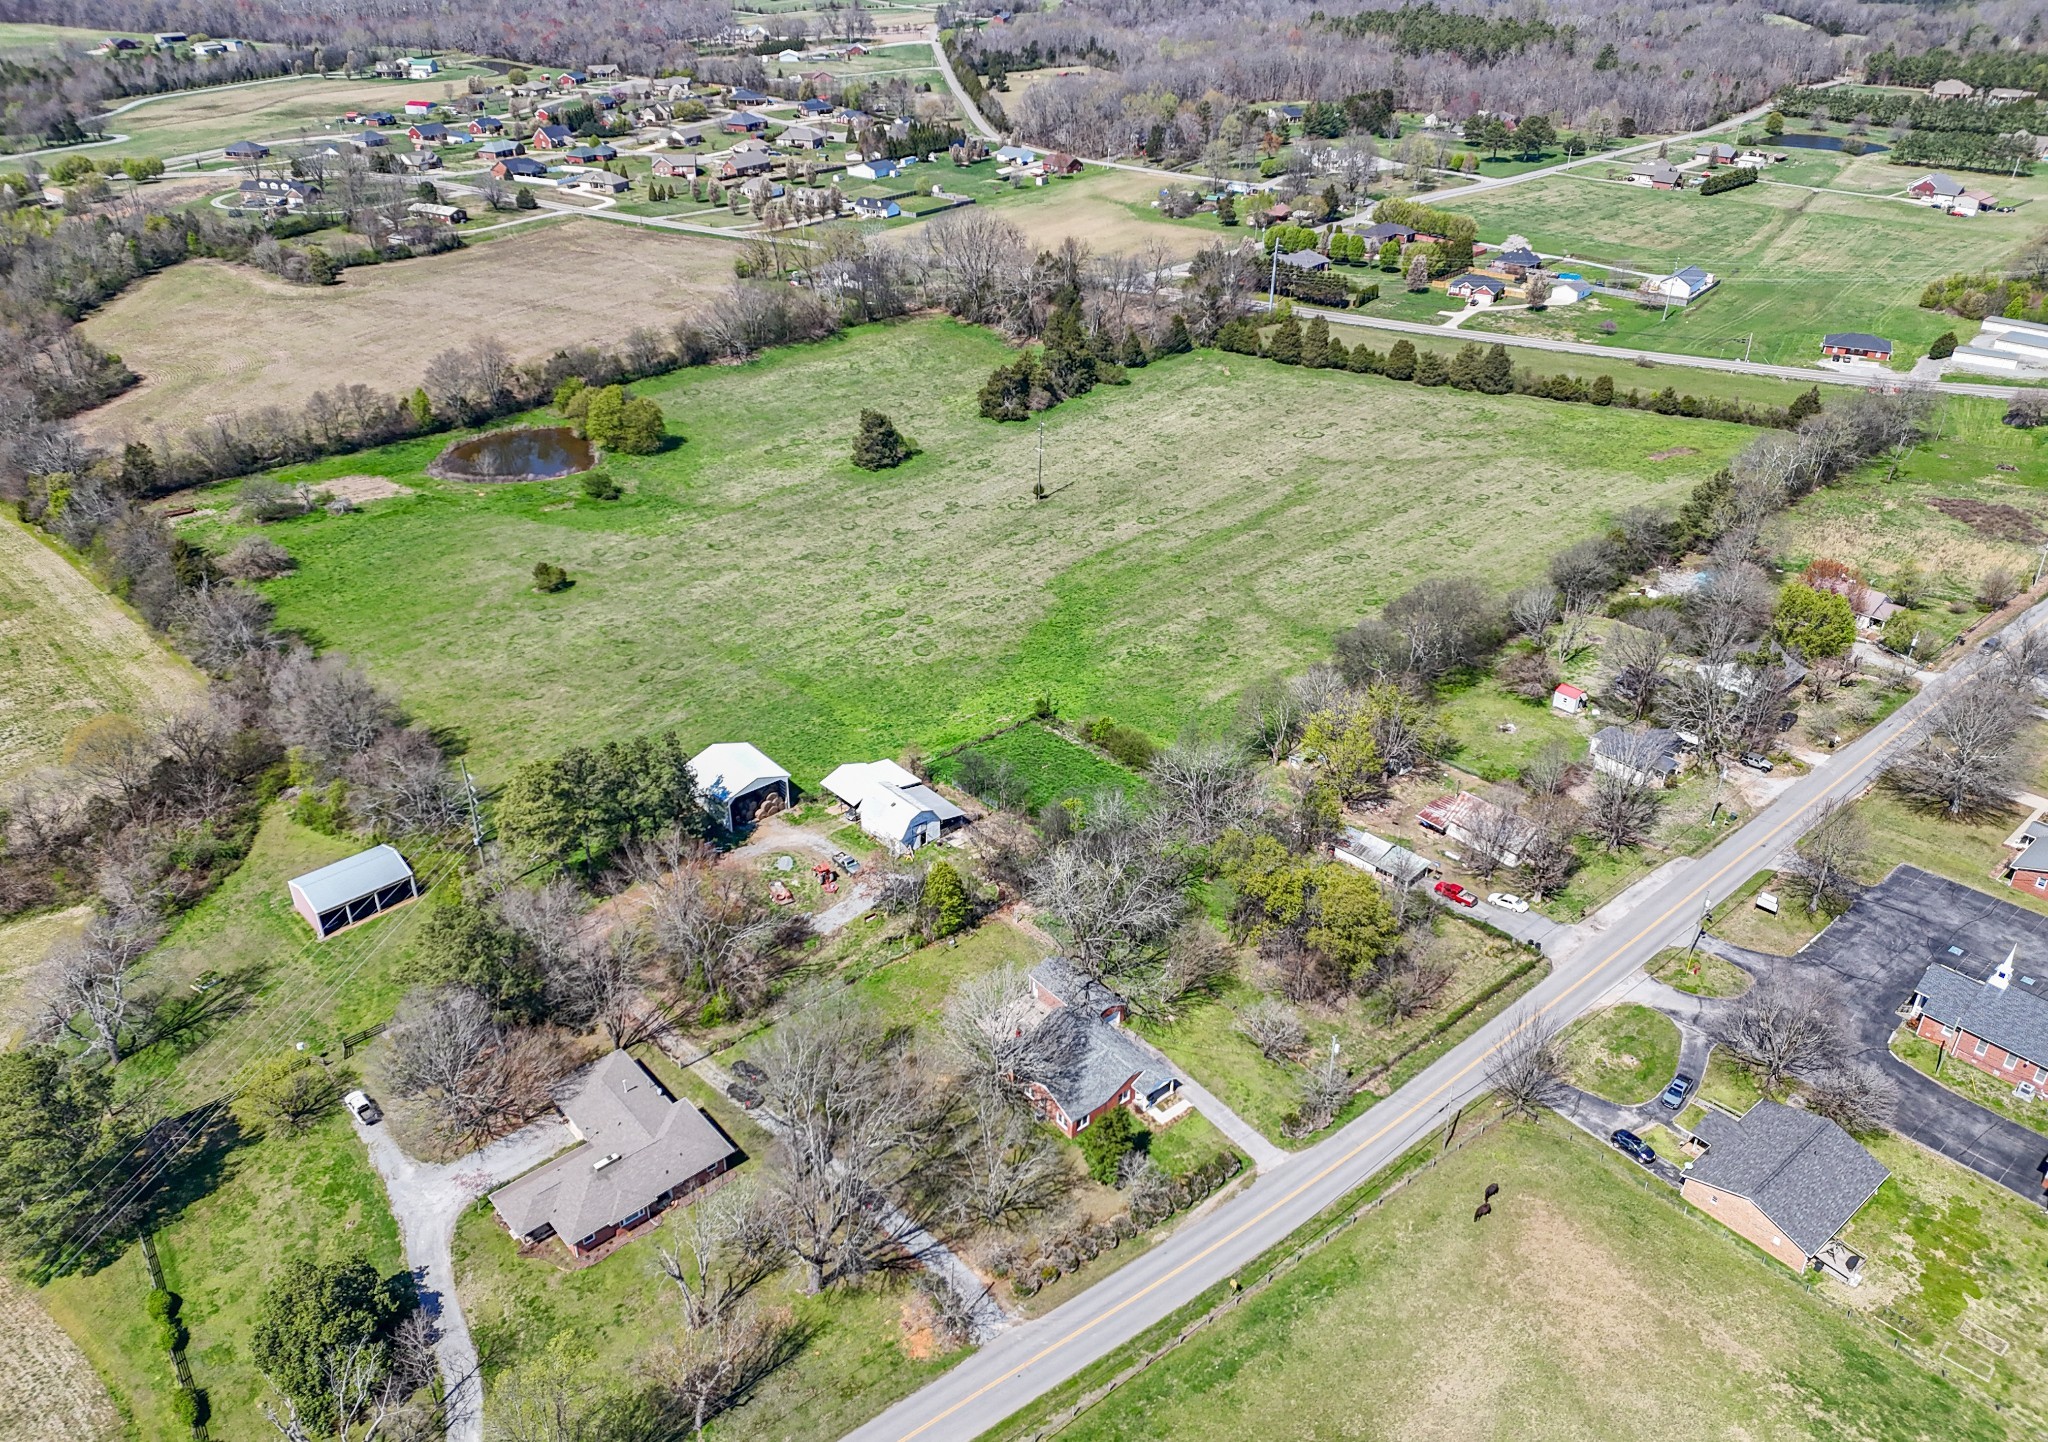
x=1506, y=901
x=362, y=1108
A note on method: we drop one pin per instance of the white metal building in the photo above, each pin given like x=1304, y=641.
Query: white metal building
x=351, y=890
x=894, y=806
x=736, y=777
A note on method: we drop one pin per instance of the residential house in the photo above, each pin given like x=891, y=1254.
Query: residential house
x=589, y=154
x=570, y=79
x=690, y=136
x=2005, y=95
x=351, y=891
x=743, y=122
x=519, y=167
x=744, y=96
x=278, y=192
x=421, y=67
x=1061, y=163
x=2006, y=347
x=1379, y=234
x=2028, y=871
x=369, y=140
x=814, y=108
x=1567, y=699
x=1652, y=756
x=802, y=137
x=1951, y=90
x=597, y=182
x=430, y=132
x=1016, y=155
x=414, y=109
x=499, y=149
x=670, y=166
x=246, y=150
x=1098, y=1065
x=486, y=125
x=737, y=780
x=789, y=57
x=1476, y=289
x=1476, y=822
x=440, y=214
x=1683, y=285
x=878, y=169
x=1872, y=607
x=639, y=1151
x=1935, y=186
x=1717, y=152
x=1787, y=1180
x=604, y=72
x=551, y=137
x=1855, y=345
x=875, y=207
x=1307, y=260
x=165, y=39
x=1657, y=175
x=739, y=164
x=1388, y=860
x=892, y=804
x=416, y=161
x=1518, y=263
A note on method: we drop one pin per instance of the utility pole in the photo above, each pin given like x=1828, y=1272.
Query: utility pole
x=1038, y=490
x=2043, y=561
x=1273, y=279
x=1746, y=345
x=476, y=826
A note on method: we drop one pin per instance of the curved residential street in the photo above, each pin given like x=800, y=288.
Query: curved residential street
x=1590, y=962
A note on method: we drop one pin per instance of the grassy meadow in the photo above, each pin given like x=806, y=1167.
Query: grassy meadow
x=1794, y=262
x=753, y=583
x=1626, y=1054
x=1571, y=1313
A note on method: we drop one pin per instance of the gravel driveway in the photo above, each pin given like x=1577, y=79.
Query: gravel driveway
x=428, y=1199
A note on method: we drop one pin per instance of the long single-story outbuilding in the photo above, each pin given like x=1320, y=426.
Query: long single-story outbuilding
x=352, y=890
x=736, y=779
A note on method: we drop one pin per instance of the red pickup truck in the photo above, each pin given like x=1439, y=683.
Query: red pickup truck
x=1451, y=891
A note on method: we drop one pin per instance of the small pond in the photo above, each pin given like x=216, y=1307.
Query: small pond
x=537, y=453
x=1820, y=142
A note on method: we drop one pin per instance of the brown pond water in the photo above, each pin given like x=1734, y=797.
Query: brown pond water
x=527, y=454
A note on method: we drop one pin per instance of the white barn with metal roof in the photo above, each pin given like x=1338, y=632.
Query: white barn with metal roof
x=353, y=889
x=735, y=777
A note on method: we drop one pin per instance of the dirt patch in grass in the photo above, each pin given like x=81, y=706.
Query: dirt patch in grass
x=364, y=488
x=1672, y=452
x=1992, y=519
x=48, y=1391
x=383, y=323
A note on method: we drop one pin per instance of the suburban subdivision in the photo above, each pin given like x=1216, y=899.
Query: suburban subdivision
x=900, y=722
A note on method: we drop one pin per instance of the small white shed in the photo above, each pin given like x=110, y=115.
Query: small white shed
x=354, y=889
x=736, y=777
x=893, y=806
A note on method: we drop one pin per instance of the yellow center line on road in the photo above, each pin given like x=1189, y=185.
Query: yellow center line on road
x=1664, y=917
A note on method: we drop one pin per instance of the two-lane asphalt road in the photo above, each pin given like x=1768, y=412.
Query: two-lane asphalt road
x=1026, y=1361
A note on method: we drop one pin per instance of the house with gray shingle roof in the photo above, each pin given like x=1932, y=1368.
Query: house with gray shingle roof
x=1783, y=1178
x=1998, y=1025
x=641, y=1151
x=1090, y=1063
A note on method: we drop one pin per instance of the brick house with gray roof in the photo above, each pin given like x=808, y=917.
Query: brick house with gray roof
x=1097, y=1064
x=1785, y=1179
x=641, y=1150
x=1994, y=1025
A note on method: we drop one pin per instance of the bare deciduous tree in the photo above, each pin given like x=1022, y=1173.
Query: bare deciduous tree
x=1274, y=1027
x=1111, y=891
x=474, y=1077
x=1969, y=760
x=1527, y=1070
x=1780, y=1028
x=1325, y=1087
x=1857, y=1098
x=991, y=1027
x=1533, y=609
x=712, y=934
x=1634, y=659
x=1206, y=787
x=716, y=1367
x=1002, y=1167
x=1626, y=793
x=89, y=978
x=716, y=1251
x=1836, y=845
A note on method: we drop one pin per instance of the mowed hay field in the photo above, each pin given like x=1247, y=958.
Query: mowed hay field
x=68, y=653
x=1212, y=523
x=48, y=1391
x=1585, y=1307
x=208, y=337
x=1794, y=263
x=188, y=123
x=1109, y=209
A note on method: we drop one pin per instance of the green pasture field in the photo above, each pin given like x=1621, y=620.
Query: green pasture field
x=754, y=584
x=254, y=1204
x=1793, y=263
x=1558, y=1318
x=21, y=36
x=1051, y=767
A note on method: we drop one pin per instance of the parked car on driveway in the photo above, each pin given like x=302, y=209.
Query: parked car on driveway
x=1506, y=901
x=1629, y=1144
x=1755, y=762
x=1675, y=1094
x=362, y=1108
x=1451, y=891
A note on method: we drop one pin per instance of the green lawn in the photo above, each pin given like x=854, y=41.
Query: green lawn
x=1051, y=767
x=266, y=1202
x=1794, y=263
x=1965, y=1080
x=1698, y=973
x=1476, y=714
x=282, y=112
x=1728, y=1084
x=1969, y=851
x=1626, y=1054
x=753, y=584
x=1203, y=1038
x=1548, y=1321
x=1737, y=919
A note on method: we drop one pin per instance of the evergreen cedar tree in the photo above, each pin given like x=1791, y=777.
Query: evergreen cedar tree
x=1944, y=345
x=548, y=577
x=595, y=799
x=1814, y=623
x=879, y=445
x=613, y=420
x=1071, y=362
x=1108, y=1140
x=312, y=1309
x=945, y=895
